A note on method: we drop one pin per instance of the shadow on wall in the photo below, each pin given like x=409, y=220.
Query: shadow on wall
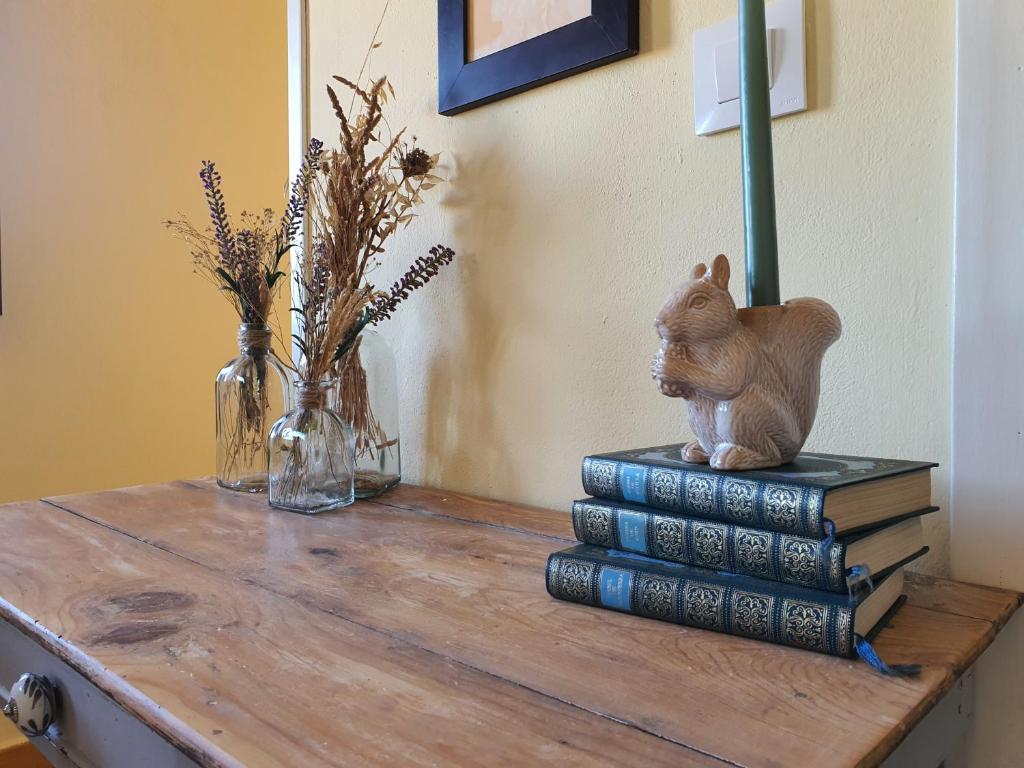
x=487, y=203
x=820, y=50
x=655, y=25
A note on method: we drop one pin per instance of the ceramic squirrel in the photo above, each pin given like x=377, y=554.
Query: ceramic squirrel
x=751, y=376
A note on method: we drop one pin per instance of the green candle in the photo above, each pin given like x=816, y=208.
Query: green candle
x=758, y=176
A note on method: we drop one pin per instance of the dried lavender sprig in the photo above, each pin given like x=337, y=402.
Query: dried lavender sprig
x=218, y=213
x=418, y=275
x=296, y=209
x=380, y=309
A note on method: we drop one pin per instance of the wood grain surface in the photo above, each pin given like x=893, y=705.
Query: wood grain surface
x=235, y=675
x=416, y=629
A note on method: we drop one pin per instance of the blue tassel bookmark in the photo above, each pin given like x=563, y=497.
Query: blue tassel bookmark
x=859, y=579
x=828, y=541
x=867, y=653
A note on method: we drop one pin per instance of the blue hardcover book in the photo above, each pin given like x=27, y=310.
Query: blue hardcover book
x=762, y=554
x=853, y=493
x=826, y=622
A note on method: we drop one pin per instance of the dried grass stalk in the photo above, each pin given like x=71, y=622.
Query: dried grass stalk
x=366, y=190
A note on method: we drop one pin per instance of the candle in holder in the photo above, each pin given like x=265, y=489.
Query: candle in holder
x=758, y=176
x=751, y=377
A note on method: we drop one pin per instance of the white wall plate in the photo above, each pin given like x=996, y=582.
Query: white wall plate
x=716, y=104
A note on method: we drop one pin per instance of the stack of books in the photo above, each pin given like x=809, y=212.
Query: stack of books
x=810, y=554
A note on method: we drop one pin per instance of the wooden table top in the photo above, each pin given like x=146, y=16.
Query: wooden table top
x=416, y=630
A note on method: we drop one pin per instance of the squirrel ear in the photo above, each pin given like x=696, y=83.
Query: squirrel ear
x=720, y=271
x=698, y=271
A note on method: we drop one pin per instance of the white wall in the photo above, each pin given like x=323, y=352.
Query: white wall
x=988, y=359
x=576, y=208
x=988, y=402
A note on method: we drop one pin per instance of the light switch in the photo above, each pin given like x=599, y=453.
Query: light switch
x=716, y=63
x=727, y=68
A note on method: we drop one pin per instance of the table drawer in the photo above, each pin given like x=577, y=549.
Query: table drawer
x=91, y=731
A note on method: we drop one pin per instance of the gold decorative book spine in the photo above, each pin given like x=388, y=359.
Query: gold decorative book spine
x=693, y=597
x=772, y=506
x=708, y=544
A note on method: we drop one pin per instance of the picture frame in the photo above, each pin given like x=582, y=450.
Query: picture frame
x=609, y=33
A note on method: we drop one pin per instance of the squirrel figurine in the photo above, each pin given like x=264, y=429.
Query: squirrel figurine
x=751, y=376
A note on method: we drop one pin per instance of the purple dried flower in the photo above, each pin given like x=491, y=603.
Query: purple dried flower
x=418, y=275
x=296, y=209
x=381, y=308
x=218, y=214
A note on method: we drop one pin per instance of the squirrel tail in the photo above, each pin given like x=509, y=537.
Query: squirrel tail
x=809, y=327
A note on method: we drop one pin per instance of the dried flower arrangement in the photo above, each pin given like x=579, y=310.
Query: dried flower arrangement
x=364, y=191
x=348, y=201
x=244, y=264
x=242, y=259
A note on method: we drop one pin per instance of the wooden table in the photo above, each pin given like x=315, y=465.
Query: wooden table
x=415, y=630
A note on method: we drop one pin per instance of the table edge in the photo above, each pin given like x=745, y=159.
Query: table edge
x=197, y=748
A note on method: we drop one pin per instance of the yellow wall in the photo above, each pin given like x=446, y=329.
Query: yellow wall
x=576, y=207
x=108, y=343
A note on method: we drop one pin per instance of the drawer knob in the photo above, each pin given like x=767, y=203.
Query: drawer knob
x=33, y=704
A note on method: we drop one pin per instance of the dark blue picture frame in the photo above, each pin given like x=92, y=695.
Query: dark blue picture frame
x=610, y=33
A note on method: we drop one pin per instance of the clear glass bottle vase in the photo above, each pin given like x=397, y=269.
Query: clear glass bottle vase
x=311, y=454
x=252, y=393
x=366, y=396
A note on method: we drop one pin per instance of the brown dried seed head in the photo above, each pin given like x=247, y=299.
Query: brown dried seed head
x=416, y=162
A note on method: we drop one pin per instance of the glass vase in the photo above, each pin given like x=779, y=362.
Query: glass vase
x=366, y=396
x=252, y=393
x=311, y=455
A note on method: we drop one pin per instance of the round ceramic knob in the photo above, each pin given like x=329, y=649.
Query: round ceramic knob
x=33, y=704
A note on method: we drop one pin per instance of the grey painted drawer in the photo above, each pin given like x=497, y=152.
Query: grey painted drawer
x=91, y=730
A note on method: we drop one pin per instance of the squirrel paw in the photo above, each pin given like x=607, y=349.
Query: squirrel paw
x=675, y=389
x=736, y=457
x=693, y=453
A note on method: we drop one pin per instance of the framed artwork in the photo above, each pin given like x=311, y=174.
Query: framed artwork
x=490, y=49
